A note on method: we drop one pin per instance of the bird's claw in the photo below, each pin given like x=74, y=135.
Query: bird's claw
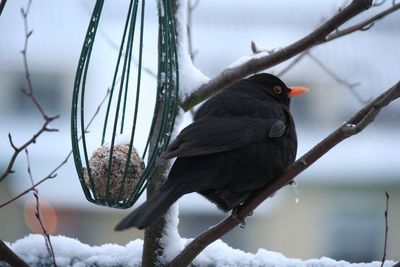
x=235, y=216
x=242, y=222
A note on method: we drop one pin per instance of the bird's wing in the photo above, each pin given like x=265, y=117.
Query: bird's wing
x=209, y=135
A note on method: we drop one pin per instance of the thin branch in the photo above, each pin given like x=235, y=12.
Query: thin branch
x=362, y=26
x=324, y=33
x=292, y=64
x=29, y=166
x=35, y=192
x=353, y=126
x=53, y=173
x=18, y=150
x=386, y=229
x=376, y=3
x=29, y=92
x=256, y=50
x=49, y=176
x=46, y=235
x=333, y=75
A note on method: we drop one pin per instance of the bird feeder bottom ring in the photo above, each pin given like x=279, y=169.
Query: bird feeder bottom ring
x=119, y=190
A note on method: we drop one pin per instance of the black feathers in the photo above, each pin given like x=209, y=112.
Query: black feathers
x=240, y=140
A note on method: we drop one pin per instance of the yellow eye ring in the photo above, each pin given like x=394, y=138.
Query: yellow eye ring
x=277, y=89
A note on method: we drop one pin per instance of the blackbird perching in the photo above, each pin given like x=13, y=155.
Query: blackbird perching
x=240, y=140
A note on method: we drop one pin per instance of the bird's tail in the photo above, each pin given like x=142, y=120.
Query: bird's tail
x=151, y=210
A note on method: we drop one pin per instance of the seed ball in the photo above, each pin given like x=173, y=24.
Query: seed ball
x=99, y=168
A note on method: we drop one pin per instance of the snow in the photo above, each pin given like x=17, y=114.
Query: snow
x=244, y=59
x=123, y=139
x=190, y=77
x=171, y=240
x=71, y=252
x=161, y=8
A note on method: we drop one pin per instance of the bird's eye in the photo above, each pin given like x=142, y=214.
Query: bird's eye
x=277, y=89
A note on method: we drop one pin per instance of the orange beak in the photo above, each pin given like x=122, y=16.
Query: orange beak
x=298, y=90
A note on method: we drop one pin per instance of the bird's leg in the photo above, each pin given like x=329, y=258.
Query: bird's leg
x=235, y=216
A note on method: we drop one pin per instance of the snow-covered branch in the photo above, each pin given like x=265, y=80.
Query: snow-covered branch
x=327, y=31
x=190, y=77
x=353, y=126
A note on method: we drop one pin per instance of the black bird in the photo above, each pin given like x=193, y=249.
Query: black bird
x=240, y=140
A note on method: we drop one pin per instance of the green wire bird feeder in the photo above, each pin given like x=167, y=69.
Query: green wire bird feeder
x=114, y=175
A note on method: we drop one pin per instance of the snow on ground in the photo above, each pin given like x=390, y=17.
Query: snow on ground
x=71, y=252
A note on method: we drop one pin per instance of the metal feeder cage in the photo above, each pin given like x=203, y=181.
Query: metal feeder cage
x=116, y=175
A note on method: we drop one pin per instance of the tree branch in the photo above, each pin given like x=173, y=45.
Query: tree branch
x=46, y=235
x=7, y=255
x=386, y=229
x=353, y=126
x=53, y=173
x=362, y=26
x=261, y=62
x=35, y=192
x=2, y=5
x=18, y=150
x=29, y=92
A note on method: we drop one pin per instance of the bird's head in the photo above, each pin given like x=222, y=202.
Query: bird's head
x=277, y=89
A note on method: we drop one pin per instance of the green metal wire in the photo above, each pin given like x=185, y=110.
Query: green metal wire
x=166, y=101
x=79, y=90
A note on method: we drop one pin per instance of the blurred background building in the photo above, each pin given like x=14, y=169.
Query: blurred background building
x=336, y=208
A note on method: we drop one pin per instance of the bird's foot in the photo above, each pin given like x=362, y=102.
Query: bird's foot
x=235, y=216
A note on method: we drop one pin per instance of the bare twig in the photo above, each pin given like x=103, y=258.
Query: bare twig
x=53, y=173
x=333, y=75
x=29, y=166
x=362, y=26
x=38, y=214
x=386, y=229
x=29, y=92
x=326, y=32
x=46, y=235
x=376, y=3
x=18, y=150
x=292, y=64
x=256, y=50
x=353, y=126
